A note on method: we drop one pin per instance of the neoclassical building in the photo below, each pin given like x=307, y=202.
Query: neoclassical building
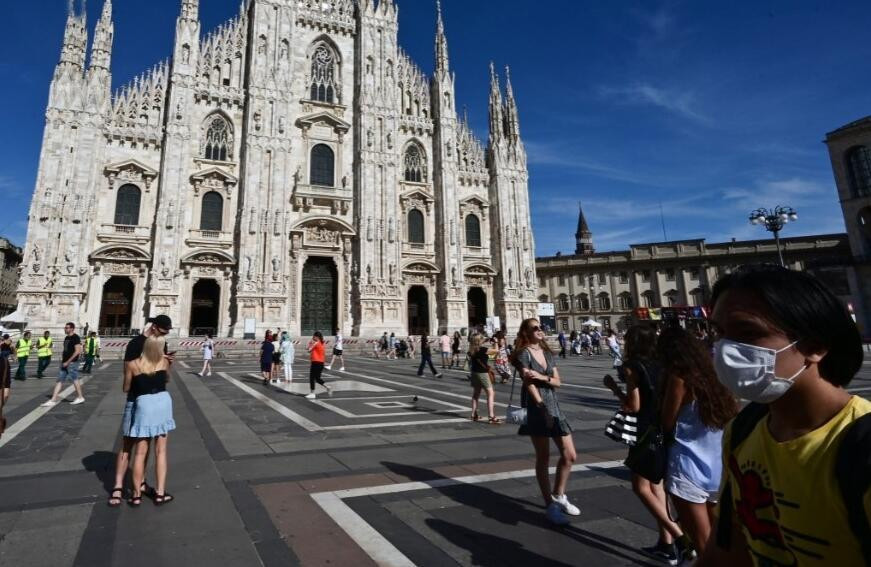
x=293, y=168
x=611, y=287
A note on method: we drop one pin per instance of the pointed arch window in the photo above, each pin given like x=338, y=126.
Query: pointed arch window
x=218, y=142
x=473, y=231
x=859, y=159
x=583, y=302
x=603, y=301
x=324, y=86
x=415, y=164
x=212, y=212
x=323, y=164
x=127, y=205
x=415, y=227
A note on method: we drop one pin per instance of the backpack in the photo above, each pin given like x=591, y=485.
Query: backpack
x=852, y=471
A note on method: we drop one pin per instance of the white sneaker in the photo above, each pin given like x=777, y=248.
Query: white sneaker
x=200, y=374
x=555, y=515
x=77, y=401
x=311, y=396
x=209, y=374
x=342, y=369
x=566, y=506
x=330, y=367
x=49, y=404
x=329, y=391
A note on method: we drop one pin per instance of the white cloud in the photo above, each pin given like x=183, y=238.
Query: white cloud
x=677, y=102
x=794, y=192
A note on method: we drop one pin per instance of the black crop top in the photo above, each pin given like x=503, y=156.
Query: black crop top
x=144, y=384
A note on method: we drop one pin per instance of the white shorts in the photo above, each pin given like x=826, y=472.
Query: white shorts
x=678, y=485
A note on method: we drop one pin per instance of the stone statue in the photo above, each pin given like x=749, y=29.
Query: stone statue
x=248, y=267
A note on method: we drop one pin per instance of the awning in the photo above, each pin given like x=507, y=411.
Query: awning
x=591, y=323
x=14, y=317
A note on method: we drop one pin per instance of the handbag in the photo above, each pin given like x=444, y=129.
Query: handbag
x=623, y=428
x=649, y=457
x=514, y=414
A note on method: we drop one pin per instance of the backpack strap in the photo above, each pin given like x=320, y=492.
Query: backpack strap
x=740, y=429
x=853, y=471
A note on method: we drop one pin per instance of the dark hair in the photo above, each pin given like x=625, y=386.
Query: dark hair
x=806, y=311
x=70, y=324
x=318, y=335
x=640, y=342
x=684, y=356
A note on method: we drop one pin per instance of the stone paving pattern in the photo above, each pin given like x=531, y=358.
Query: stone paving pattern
x=247, y=463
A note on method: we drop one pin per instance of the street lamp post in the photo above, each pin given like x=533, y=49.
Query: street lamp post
x=773, y=220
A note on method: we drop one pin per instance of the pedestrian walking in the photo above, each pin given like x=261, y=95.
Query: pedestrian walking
x=596, y=341
x=561, y=338
x=480, y=378
x=147, y=416
x=501, y=363
x=159, y=326
x=208, y=349
x=276, y=357
x=384, y=345
x=614, y=348
x=267, y=349
x=338, y=350
x=695, y=409
x=91, y=352
x=43, y=353
x=445, y=344
x=394, y=344
x=426, y=357
x=287, y=356
x=455, y=350
x=22, y=352
x=5, y=373
x=545, y=422
x=410, y=343
x=796, y=459
x=316, y=351
x=69, y=371
x=641, y=371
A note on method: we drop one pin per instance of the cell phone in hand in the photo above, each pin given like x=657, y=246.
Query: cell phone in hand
x=171, y=353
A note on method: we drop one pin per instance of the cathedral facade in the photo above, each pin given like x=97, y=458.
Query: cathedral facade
x=291, y=169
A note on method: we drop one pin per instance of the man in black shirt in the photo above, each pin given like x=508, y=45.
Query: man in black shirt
x=69, y=370
x=159, y=326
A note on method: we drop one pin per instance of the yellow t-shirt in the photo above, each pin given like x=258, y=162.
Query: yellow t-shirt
x=786, y=498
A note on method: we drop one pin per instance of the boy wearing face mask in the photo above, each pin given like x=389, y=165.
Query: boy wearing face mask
x=797, y=461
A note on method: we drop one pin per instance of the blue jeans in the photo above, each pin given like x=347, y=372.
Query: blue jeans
x=424, y=359
x=44, y=361
x=68, y=374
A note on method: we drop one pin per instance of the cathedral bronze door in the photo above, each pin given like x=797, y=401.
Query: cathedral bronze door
x=477, y=307
x=117, y=307
x=205, y=308
x=319, y=297
x=418, y=311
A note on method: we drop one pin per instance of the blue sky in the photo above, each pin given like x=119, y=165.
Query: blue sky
x=712, y=108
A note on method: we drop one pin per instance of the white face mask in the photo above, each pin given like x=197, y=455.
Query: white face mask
x=748, y=371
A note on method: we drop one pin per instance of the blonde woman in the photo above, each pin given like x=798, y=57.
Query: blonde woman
x=148, y=415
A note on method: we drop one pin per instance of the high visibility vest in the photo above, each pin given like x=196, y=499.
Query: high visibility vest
x=90, y=346
x=43, y=347
x=23, y=348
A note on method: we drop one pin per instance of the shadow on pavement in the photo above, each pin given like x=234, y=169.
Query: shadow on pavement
x=101, y=463
x=488, y=549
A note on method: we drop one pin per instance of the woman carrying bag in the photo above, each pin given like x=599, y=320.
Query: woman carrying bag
x=647, y=458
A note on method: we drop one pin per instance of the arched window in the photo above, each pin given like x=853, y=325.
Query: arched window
x=127, y=205
x=323, y=75
x=603, y=300
x=415, y=227
x=697, y=296
x=563, y=301
x=648, y=299
x=542, y=299
x=473, y=231
x=212, y=212
x=625, y=301
x=859, y=161
x=671, y=297
x=415, y=164
x=323, y=165
x=218, y=141
x=583, y=302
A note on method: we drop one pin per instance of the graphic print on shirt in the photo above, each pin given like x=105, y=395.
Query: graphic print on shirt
x=758, y=509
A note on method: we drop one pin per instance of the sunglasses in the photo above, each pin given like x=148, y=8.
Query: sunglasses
x=536, y=329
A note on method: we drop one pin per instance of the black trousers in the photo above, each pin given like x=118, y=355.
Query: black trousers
x=424, y=359
x=314, y=375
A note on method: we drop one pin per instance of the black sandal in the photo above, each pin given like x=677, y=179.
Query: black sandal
x=146, y=490
x=135, y=501
x=115, y=501
x=161, y=499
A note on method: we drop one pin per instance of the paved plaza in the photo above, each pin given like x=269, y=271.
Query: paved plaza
x=388, y=470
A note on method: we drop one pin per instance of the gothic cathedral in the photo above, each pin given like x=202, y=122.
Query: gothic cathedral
x=292, y=169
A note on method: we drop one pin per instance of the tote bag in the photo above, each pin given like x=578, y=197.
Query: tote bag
x=623, y=428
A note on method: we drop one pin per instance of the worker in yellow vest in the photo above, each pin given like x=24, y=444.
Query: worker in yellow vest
x=22, y=353
x=43, y=353
x=92, y=351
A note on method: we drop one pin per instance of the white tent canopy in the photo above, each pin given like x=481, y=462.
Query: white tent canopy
x=591, y=323
x=16, y=317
